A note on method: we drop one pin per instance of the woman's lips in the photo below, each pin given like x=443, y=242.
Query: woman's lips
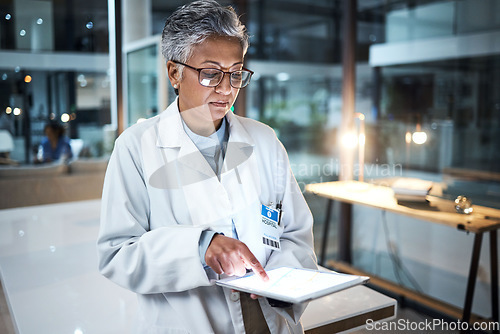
x=219, y=104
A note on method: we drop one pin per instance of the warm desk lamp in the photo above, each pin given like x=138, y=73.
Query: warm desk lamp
x=350, y=140
x=419, y=137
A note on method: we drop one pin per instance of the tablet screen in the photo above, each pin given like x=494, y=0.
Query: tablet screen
x=294, y=285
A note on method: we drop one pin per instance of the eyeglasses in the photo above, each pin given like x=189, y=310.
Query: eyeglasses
x=212, y=77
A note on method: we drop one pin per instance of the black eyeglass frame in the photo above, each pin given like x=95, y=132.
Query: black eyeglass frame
x=216, y=69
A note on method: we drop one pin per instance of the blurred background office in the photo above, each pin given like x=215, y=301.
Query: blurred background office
x=427, y=82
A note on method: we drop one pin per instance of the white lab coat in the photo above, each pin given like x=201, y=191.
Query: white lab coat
x=160, y=194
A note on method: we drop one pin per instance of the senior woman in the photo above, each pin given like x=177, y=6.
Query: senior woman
x=184, y=192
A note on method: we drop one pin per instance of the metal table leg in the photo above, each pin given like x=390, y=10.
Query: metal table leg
x=345, y=233
x=471, y=283
x=494, y=275
x=326, y=228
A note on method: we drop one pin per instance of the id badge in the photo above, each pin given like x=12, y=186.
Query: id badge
x=270, y=233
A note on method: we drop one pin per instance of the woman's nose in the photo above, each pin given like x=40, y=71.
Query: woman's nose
x=224, y=86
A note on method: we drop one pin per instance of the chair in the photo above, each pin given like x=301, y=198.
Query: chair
x=6, y=146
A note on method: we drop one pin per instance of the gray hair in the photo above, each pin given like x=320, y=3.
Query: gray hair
x=193, y=23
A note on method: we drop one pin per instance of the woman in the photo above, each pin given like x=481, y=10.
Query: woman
x=184, y=192
x=55, y=145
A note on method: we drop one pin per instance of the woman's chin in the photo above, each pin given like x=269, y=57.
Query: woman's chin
x=218, y=113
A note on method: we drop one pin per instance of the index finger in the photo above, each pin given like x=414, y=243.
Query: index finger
x=254, y=264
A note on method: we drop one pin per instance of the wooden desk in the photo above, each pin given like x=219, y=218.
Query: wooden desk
x=48, y=267
x=347, y=310
x=482, y=220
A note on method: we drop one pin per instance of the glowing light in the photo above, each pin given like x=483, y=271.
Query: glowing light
x=283, y=76
x=17, y=69
x=349, y=140
x=89, y=25
x=65, y=118
x=27, y=79
x=8, y=110
x=17, y=111
x=408, y=137
x=22, y=32
x=78, y=331
x=81, y=79
x=419, y=137
x=39, y=21
x=8, y=17
x=4, y=76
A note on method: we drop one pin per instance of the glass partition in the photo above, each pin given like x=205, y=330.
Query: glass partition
x=147, y=92
x=142, y=77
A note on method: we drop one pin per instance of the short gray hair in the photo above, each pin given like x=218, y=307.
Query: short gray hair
x=193, y=23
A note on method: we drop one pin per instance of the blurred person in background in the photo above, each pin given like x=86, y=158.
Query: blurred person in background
x=55, y=145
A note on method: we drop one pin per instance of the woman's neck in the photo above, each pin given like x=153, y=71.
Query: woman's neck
x=199, y=125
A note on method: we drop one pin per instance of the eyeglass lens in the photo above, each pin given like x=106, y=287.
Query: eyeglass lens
x=212, y=77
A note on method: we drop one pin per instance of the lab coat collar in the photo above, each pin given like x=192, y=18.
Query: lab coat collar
x=237, y=133
x=171, y=134
x=240, y=145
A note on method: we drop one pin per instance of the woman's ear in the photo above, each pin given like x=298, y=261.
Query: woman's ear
x=173, y=74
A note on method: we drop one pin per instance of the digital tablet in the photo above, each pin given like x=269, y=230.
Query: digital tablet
x=293, y=285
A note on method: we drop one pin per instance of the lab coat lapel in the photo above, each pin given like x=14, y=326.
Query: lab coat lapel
x=191, y=158
x=240, y=145
x=171, y=136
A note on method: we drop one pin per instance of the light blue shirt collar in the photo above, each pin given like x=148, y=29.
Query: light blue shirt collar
x=208, y=145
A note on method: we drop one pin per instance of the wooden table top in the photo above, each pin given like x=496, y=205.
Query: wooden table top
x=435, y=210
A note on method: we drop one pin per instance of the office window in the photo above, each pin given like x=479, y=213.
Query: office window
x=58, y=26
x=54, y=67
x=438, y=76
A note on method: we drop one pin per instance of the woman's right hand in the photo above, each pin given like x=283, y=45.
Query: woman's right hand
x=232, y=257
